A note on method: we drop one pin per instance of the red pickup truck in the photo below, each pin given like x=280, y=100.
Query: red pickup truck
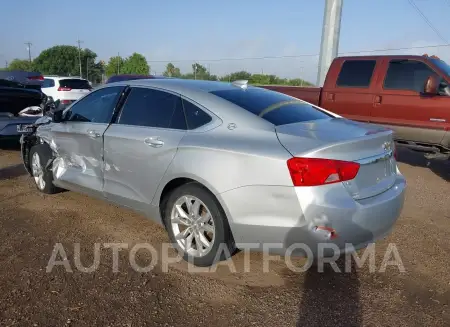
x=409, y=94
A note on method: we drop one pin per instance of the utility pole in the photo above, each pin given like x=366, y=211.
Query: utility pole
x=79, y=55
x=6, y=63
x=330, y=37
x=29, y=44
x=87, y=68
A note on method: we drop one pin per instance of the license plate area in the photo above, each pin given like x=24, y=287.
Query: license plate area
x=25, y=128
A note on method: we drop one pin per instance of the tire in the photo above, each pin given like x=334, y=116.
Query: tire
x=222, y=245
x=43, y=178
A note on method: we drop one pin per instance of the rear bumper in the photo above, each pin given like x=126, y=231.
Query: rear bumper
x=276, y=218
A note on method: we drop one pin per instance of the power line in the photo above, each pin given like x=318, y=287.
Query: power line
x=413, y=4
x=303, y=55
x=29, y=44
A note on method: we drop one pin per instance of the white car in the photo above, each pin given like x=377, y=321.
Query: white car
x=65, y=88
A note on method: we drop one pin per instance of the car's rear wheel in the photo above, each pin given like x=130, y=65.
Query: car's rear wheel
x=197, y=225
x=39, y=157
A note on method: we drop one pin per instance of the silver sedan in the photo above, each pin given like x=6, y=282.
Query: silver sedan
x=223, y=166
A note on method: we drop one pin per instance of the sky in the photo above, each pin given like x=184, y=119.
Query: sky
x=219, y=34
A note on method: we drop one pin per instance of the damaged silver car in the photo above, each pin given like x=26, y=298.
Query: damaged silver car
x=223, y=165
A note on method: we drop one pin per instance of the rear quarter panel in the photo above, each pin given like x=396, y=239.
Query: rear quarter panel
x=224, y=159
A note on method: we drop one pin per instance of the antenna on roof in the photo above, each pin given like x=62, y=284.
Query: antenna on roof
x=243, y=84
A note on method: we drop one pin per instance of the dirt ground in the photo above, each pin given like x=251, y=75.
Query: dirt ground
x=31, y=224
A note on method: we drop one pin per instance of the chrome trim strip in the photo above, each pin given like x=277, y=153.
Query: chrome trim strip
x=438, y=120
x=377, y=158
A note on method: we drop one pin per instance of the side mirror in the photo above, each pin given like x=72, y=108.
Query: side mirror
x=431, y=86
x=50, y=100
x=56, y=115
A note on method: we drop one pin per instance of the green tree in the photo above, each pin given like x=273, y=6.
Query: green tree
x=299, y=82
x=65, y=60
x=200, y=72
x=172, y=71
x=114, y=66
x=242, y=75
x=136, y=64
x=20, y=64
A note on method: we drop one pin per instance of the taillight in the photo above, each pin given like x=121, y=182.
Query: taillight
x=66, y=101
x=39, y=78
x=317, y=171
x=64, y=88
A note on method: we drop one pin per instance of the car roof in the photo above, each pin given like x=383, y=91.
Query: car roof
x=179, y=85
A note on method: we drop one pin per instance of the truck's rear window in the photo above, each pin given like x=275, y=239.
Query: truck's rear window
x=275, y=107
x=75, y=83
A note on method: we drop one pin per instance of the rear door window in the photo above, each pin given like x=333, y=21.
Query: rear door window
x=79, y=84
x=153, y=108
x=407, y=75
x=356, y=73
x=277, y=108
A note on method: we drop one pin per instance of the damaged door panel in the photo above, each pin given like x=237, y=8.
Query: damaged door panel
x=141, y=145
x=77, y=141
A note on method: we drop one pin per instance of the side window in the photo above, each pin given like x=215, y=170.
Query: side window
x=406, y=75
x=48, y=82
x=97, y=107
x=153, y=108
x=195, y=117
x=356, y=73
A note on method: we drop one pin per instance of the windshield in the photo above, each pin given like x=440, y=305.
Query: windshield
x=442, y=65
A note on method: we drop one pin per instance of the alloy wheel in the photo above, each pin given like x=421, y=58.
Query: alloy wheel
x=38, y=171
x=192, y=225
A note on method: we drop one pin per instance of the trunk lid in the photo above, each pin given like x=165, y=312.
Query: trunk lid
x=341, y=139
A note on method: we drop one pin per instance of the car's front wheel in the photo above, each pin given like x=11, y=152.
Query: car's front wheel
x=40, y=155
x=197, y=225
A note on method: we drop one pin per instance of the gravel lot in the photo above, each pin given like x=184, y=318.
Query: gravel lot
x=32, y=223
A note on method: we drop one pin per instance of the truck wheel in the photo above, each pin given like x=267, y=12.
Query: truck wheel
x=197, y=225
x=40, y=155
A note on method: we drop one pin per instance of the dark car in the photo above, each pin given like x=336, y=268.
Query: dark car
x=19, y=90
x=23, y=79
x=129, y=77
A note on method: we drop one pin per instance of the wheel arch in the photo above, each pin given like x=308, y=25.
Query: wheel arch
x=171, y=184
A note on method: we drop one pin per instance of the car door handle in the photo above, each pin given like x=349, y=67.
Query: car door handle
x=377, y=100
x=93, y=134
x=330, y=96
x=154, y=141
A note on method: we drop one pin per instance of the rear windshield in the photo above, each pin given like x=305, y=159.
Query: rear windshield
x=75, y=83
x=275, y=107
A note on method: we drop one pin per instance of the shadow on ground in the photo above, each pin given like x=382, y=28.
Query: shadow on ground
x=10, y=144
x=328, y=297
x=439, y=167
x=12, y=171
